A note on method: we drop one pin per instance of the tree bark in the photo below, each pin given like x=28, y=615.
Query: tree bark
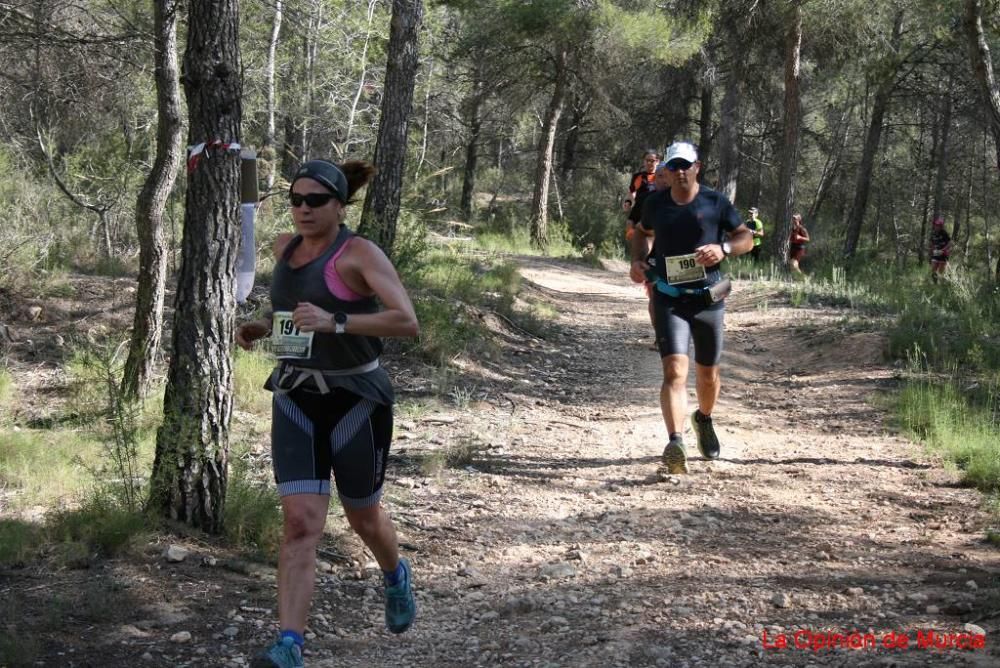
x=982, y=70
x=546, y=148
x=940, y=159
x=862, y=186
x=833, y=158
x=268, y=155
x=147, y=324
x=472, y=150
x=730, y=131
x=382, y=201
x=192, y=445
x=790, y=148
x=705, y=128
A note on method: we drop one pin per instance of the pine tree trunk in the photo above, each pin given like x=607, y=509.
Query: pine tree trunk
x=862, y=187
x=472, y=151
x=790, y=148
x=730, y=131
x=705, y=128
x=268, y=155
x=382, y=201
x=192, y=445
x=546, y=149
x=941, y=158
x=152, y=202
x=982, y=69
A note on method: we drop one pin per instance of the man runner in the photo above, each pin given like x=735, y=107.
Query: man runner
x=689, y=224
x=756, y=227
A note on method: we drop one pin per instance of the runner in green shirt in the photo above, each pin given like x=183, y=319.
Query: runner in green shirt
x=756, y=227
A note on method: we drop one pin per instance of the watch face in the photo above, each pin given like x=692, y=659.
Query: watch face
x=340, y=318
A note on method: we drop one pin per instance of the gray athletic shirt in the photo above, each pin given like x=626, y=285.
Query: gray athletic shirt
x=330, y=351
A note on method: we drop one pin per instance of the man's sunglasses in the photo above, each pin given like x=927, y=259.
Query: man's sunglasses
x=312, y=200
x=679, y=165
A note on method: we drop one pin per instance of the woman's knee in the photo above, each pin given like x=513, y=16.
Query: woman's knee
x=365, y=521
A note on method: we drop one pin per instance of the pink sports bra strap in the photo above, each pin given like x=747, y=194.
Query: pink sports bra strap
x=334, y=282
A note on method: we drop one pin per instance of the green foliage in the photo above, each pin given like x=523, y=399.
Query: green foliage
x=18, y=542
x=655, y=33
x=252, y=514
x=101, y=525
x=938, y=411
x=6, y=385
x=250, y=371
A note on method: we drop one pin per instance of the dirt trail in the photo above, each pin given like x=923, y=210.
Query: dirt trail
x=547, y=538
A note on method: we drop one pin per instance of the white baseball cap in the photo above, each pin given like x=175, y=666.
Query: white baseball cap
x=681, y=150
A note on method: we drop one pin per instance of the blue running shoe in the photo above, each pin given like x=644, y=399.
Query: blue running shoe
x=283, y=654
x=400, y=608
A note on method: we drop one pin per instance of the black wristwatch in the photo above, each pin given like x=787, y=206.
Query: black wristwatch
x=339, y=322
x=727, y=249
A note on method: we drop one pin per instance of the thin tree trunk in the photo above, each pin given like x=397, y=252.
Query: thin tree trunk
x=361, y=79
x=832, y=164
x=151, y=204
x=192, y=446
x=427, y=116
x=940, y=159
x=730, y=130
x=267, y=153
x=381, y=209
x=705, y=126
x=572, y=143
x=862, y=186
x=982, y=69
x=546, y=148
x=472, y=150
x=790, y=148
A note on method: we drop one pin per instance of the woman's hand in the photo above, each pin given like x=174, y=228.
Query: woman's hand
x=249, y=332
x=311, y=318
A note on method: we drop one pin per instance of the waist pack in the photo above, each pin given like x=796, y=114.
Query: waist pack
x=708, y=295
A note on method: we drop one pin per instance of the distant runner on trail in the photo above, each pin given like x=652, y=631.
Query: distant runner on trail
x=332, y=406
x=642, y=180
x=797, y=240
x=693, y=228
x=659, y=183
x=756, y=227
x=940, y=248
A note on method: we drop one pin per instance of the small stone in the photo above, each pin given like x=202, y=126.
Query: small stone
x=230, y=632
x=971, y=584
x=855, y=591
x=209, y=561
x=933, y=610
x=175, y=554
x=181, y=637
x=324, y=566
x=781, y=600
x=974, y=630
x=147, y=656
x=489, y=616
x=556, y=571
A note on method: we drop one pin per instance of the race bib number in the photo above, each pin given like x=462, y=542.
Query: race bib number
x=683, y=269
x=287, y=341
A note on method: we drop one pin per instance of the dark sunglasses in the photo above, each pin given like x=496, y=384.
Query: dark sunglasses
x=679, y=165
x=312, y=200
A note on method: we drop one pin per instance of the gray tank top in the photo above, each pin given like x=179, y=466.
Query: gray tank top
x=330, y=352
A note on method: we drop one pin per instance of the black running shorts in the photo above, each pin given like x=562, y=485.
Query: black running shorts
x=679, y=321
x=313, y=434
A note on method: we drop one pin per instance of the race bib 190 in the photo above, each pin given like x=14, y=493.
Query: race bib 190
x=683, y=269
x=287, y=341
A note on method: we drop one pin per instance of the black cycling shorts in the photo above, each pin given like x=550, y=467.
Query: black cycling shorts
x=678, y=321
x=313, y=434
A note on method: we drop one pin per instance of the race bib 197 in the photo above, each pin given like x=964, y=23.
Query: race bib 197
x=683, y=269
x=287, y=341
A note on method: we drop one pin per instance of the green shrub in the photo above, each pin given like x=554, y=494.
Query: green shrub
x=18, y=542
x=250, y=371
x=101, y=525
x=252, y=513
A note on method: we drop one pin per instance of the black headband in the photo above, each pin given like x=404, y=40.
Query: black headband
x=326, y=173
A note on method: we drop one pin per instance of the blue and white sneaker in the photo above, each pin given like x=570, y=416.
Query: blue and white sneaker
x=283, y=654
x=400, y=608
